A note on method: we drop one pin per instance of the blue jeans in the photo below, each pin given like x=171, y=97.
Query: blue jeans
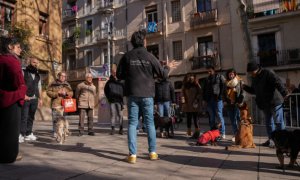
x=215, y=108
x=163, y=108
x=135, y=104
x=234, y=115
x=274, y=119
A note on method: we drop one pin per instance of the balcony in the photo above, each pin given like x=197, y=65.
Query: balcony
x=278, y=57
x=154, y=29
x=199, y=62
x=69, y=42
x=263, y=8
x=70, y=14
x=207, y=17
x=111, y=4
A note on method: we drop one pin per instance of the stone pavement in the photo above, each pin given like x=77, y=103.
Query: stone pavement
x=102, y=157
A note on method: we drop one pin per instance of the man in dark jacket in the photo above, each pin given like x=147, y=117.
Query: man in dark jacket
x=113, y=91
x=270, y=94
x=213, y=92
x=164, y=95
x=32, y=99
x=138, y=67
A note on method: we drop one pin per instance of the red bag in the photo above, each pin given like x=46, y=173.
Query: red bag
x=69, y=105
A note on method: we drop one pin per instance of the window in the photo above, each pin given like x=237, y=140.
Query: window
x=71, y=62
x=6, y=15
x=205, y=46
x=203, y=5
x=89, y=28
x=267, y=49
x=176, y=11
x=88, y=7
x=43, y=24
x=177, y=50
x=151, y=19
x=154, y=50
x=89, y=58
x=44, y=75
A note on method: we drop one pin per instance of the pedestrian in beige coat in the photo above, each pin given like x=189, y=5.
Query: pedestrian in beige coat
x=191, y=92
x=86, y=94
x=57, y=91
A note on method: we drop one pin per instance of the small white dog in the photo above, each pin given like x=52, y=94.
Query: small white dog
x=62, y=130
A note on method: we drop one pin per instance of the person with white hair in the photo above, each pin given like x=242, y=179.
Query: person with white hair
x=85, y=95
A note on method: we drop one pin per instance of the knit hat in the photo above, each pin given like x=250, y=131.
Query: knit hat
x=252, y=66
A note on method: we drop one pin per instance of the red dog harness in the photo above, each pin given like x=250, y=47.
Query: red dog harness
x=208, y=136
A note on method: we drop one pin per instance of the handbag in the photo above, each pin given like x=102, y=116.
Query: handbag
x=195, y=104
x=69, y=105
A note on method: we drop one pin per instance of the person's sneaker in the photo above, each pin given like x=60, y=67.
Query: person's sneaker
x=131, y=159
x=267, y=143
x=21, y=138
x=121, y=131
x=91, y=134
x=223, y=136
x=153, y=156
x=271, y=144
x=233, y=139
x=19, y=157
x=30, y=137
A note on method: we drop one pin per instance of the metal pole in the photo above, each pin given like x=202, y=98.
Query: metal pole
x=108, y=52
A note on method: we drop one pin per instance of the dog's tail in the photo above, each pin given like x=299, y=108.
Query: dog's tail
x=232, y=147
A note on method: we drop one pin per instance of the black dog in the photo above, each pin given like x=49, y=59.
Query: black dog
x=164, y=123
x=286, y=142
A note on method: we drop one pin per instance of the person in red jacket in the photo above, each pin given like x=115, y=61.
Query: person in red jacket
x=12, y=94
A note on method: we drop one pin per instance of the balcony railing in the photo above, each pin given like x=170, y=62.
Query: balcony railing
x=110, y=3
x=203, y=62
x=70, y=13
x=277, y=57
x=199, y=18
x=261, y=8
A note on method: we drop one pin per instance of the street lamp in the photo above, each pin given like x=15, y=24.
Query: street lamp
x=109, y=33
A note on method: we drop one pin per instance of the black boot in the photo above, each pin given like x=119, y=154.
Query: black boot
x=112, y=130
x=121, y=130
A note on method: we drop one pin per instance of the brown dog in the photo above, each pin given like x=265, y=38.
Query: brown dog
x=244, y=137
x=62, y=130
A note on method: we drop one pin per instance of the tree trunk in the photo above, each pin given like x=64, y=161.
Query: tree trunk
x=244, y=26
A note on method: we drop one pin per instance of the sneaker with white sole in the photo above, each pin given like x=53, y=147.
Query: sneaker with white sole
x=30, y=137
x=21, y=138
x=233, y=139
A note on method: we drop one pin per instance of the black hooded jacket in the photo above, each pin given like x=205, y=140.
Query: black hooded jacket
x=164, y=91
x=138, y=68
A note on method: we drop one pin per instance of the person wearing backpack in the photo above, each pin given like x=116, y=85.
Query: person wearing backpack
x=113, y=91
x=164, y=95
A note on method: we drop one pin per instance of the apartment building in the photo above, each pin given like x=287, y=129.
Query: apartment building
x=43, y=19
x=186, y=34
x=274, y=27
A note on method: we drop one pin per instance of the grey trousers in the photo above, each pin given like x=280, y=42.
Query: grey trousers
x=116, y=113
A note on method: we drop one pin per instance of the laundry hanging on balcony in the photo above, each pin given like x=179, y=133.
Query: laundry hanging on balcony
x=152, y=27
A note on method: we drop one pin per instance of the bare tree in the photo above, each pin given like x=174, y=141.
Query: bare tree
x=242, y=7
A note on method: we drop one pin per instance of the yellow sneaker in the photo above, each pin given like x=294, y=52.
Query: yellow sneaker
x=153, y=156
x=131, y=159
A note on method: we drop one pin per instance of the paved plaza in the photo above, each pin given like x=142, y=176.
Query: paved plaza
x=102, y=157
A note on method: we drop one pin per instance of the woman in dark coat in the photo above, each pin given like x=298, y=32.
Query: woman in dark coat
x=191, y=92
x=12, y=94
